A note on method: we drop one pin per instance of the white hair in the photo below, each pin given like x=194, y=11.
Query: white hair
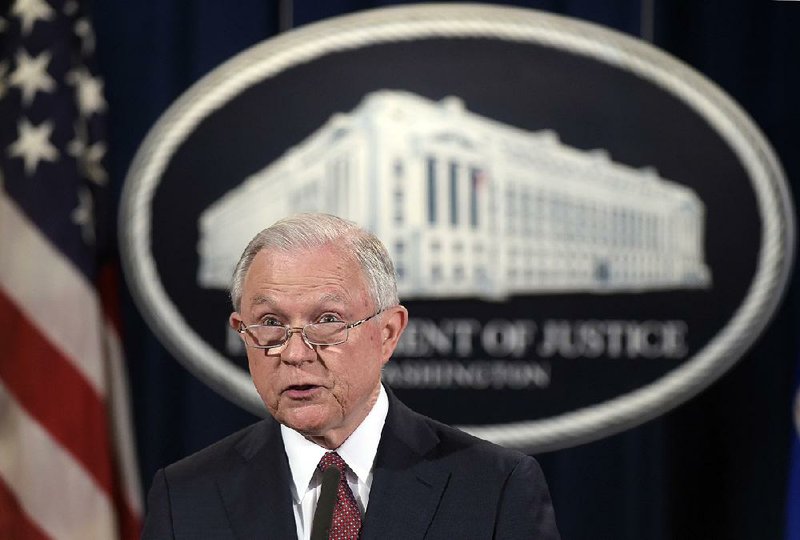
x=307, y=231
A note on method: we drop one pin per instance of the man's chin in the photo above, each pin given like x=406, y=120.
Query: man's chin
x=310, y=420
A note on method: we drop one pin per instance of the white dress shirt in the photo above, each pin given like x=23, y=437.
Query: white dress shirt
x=358, y=451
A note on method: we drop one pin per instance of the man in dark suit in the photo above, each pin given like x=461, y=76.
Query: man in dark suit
x=402, y=475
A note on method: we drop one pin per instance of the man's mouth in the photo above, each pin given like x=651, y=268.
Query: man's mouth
x=301, y=391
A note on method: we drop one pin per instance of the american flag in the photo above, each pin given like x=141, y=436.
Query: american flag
x=67, y=465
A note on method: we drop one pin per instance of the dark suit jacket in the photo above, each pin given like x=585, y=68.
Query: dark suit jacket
x=430, y=481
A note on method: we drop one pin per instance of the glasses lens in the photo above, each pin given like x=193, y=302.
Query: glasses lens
x=329, y=333
x=266, y=336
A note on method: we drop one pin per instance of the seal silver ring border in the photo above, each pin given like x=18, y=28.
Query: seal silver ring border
x=403, y=23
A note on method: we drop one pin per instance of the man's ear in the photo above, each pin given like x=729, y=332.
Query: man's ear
x=235, y=320
x=393, y=321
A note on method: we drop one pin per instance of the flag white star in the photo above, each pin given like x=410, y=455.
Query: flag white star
x=83, y=215
x=89, y=90
x=33, y=145
x=89, y=158
x=84, y=30
x=77, y=146
x=31, y=75
x=29, y=11
x=93, y=168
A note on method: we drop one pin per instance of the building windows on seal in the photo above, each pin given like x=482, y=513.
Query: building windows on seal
x=530, y=214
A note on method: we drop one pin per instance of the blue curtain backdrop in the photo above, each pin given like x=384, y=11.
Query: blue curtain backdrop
x=715, y=467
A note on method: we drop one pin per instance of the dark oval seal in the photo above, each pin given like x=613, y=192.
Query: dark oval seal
x=587, y=232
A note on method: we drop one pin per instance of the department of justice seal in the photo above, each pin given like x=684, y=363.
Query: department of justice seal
x=586, y=231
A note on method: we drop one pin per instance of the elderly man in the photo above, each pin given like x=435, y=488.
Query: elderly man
x=316, y=304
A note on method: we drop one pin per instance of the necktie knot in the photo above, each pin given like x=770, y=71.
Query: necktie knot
x=332, y=459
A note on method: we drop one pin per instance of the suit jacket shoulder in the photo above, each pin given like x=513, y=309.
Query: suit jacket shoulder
x=235, y=488
x=434, y=481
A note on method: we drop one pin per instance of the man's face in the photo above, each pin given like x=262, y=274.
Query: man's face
x=324, y=392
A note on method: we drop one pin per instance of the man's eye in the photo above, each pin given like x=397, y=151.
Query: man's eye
x=269, y=321
x=329, y=318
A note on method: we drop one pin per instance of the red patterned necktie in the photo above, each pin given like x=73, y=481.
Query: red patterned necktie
x=346, y=516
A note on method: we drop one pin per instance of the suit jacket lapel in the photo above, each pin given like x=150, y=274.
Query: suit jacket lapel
x=255, y=489
x=406, y=487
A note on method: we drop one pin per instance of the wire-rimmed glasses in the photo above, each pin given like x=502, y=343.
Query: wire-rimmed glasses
x=270, y=336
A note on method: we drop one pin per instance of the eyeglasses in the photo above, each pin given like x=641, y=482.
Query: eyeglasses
x=269, y=336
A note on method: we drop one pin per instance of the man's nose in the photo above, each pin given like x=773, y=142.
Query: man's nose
x=297, y=350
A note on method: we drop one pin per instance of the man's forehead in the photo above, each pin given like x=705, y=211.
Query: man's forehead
x=334, y=251
x=324, y=274
x=325, y=261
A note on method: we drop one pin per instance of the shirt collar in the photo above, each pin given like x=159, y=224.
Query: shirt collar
x=358, y=451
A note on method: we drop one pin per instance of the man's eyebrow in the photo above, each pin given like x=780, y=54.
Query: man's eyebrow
x=259, y=299
x=332, y=298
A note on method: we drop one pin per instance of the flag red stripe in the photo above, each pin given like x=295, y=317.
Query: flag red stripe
x=107, y=287
x=47, y=385
x=128, y=522
x=14, y=523
x=126, y=496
